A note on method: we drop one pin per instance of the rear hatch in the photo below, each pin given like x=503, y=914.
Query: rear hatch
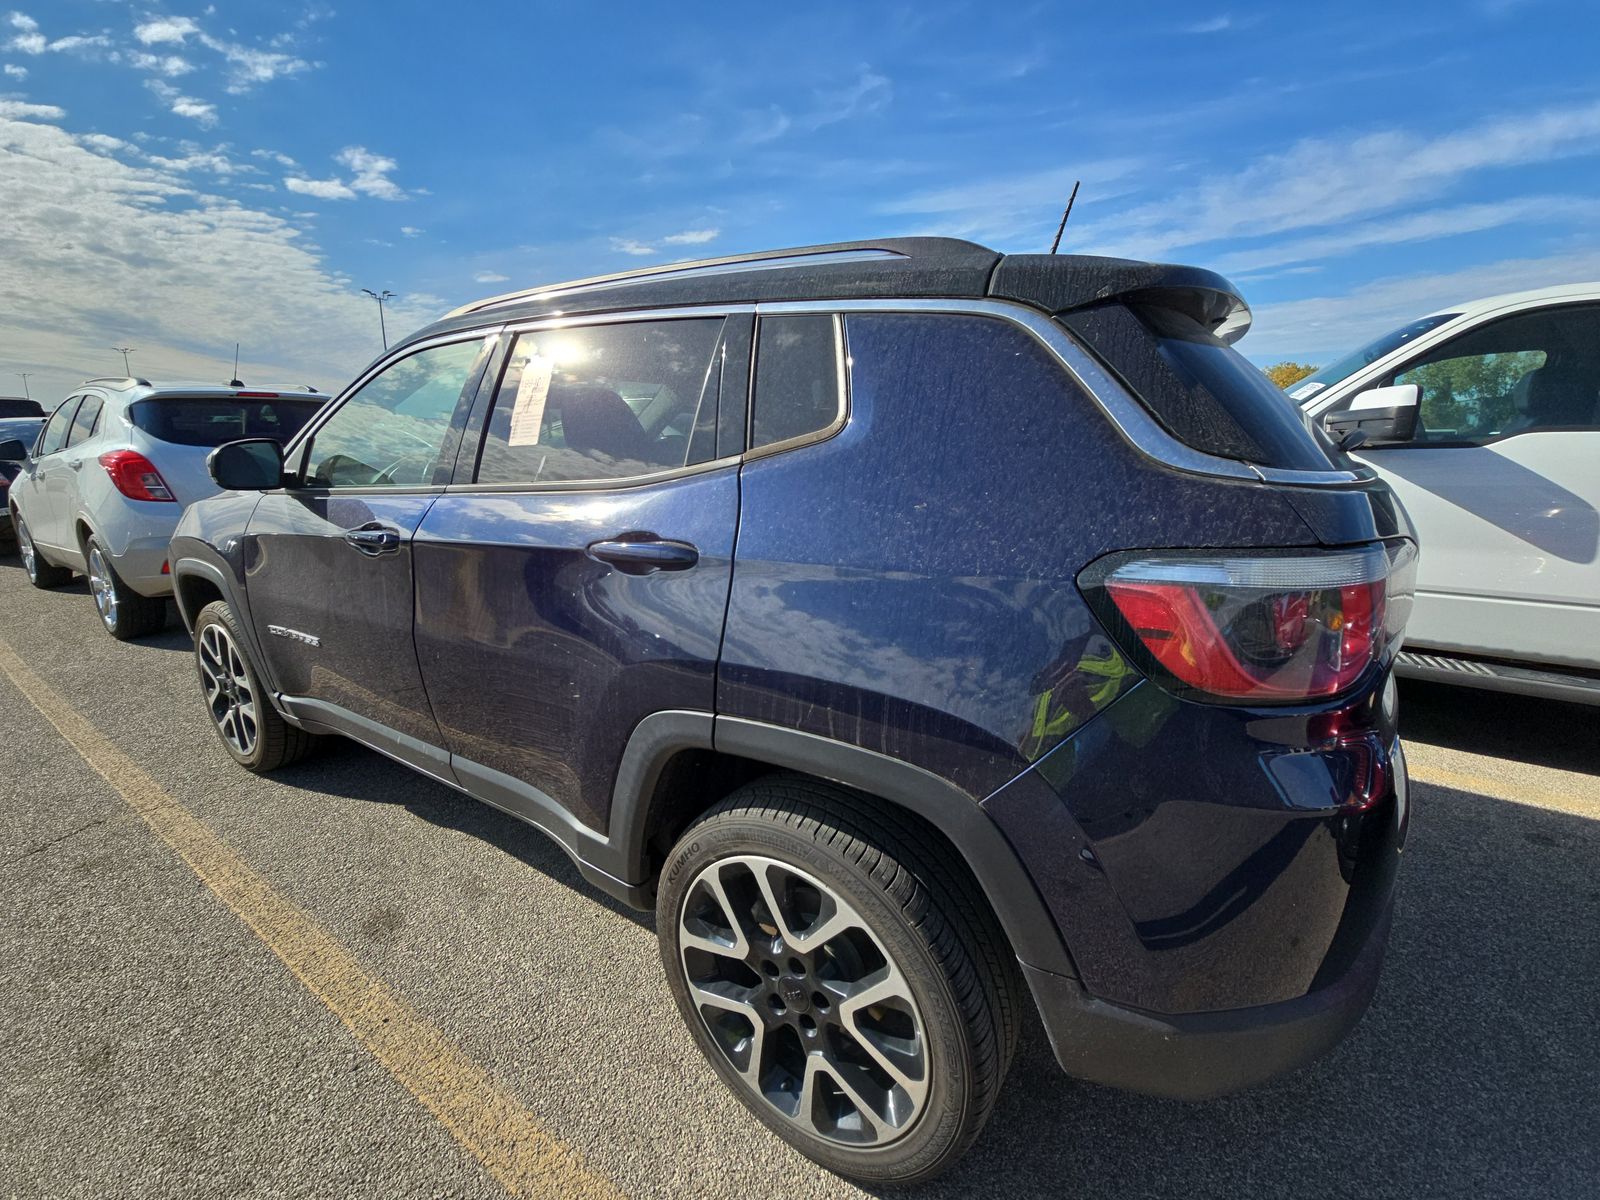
x=180, y=432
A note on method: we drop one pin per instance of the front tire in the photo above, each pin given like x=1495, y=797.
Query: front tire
x=252, y=731
x=124, y=612
x=843, y=975
x=40, y=573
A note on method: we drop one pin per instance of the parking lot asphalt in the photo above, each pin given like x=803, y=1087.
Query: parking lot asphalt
x=346, y=980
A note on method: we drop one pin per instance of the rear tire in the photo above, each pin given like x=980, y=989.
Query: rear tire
x=125, y=613
x=241, y=712
x=40, y=573
x=778, y=914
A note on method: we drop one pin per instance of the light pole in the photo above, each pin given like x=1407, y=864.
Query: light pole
x=25, y=391
x=380, y=298
x=125, y=351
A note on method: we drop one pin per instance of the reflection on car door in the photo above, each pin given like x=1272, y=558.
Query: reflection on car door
x=329, y=561
x=1503, y=484
x=579, y=581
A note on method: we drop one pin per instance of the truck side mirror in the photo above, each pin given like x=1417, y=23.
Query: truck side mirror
x=1386, y=415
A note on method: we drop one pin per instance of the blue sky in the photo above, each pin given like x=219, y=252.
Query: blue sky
x=179, y=176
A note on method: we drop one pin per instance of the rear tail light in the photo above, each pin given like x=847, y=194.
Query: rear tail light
x=1263, y=628
x=135, y=476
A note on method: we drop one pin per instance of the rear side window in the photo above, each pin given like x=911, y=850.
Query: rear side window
x=1201, y=389
x=798, y=378
x=211, y=421
x=605, y=402
x=83, y=425
x=55, y=432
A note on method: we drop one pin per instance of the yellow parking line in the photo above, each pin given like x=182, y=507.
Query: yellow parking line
x=1573, y=803
x=488, y=1121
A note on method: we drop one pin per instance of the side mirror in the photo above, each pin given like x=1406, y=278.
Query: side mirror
x=1385, y=415
x=13, y=451
x=251, y=465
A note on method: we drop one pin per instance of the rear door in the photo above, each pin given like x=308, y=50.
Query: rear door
x=1502, y=481
x=52, y=480
x=575, y=580
x=328, y=561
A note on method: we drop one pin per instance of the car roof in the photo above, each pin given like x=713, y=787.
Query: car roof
x=1565, y=291
x=135, y=388
x=889, y=268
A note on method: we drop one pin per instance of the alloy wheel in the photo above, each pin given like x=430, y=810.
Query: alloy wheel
x=102, y=587
x=802, y=1000
x=30, y=558
x=229, y=696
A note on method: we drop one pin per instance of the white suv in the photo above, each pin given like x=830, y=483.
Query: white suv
x=1485, y=420
x=112, y=471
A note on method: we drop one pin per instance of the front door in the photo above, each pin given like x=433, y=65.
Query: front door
x=577, y=579
x=1502, y=481
x=329, y=558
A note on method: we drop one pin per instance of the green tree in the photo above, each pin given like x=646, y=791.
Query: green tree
x=1471, y=395
x=1284, y=373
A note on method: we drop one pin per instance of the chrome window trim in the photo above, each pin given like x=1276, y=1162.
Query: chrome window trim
x=1130, y=418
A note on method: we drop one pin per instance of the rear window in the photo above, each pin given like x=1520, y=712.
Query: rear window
x=1201, y=389
x=211, y=421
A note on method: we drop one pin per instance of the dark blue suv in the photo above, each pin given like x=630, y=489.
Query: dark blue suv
x=916, y=628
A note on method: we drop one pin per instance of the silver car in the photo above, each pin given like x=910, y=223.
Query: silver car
x=112, y=471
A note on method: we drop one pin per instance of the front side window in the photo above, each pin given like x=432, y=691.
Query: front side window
x=395, y=430
x=605, y=402
x=55, y=432
x=1536, y=370
x=83, y=425
x=797, y=390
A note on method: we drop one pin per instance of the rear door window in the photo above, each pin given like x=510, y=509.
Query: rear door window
x=55, y=432
x=213, y=420
x=601, y=402
x=799, y=378
x=87, y=420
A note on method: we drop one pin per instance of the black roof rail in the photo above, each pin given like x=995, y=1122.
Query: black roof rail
x=121, y=382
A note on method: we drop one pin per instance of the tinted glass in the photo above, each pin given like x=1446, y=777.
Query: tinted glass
x=1349, y=364
x=208, y=421
x=1536, y=370
x=55, y=433
x=605, y=402
x=83, y=425
x=797, y=378
x=394, y=432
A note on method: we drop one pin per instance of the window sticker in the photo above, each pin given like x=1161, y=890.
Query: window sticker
x=527, y=413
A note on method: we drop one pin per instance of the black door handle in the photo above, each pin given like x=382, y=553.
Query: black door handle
x=373, y=539
x=645, y=556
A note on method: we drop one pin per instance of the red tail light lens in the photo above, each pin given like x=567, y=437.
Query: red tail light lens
x=135, y=476
x=1267, y=629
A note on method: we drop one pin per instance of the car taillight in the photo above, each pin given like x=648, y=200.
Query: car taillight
x=135, y=476
x=1263, y=628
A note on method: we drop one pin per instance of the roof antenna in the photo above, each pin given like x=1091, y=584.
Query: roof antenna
x=237, y=382
x=1056, y=244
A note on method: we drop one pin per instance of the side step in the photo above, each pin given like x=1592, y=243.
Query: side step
x=1499, y=677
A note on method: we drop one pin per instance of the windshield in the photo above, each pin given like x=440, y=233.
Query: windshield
x=1349, y=364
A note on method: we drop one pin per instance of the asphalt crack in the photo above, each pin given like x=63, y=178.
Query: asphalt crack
x=55, y=841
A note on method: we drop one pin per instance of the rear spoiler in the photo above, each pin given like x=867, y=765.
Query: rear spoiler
x=1060, y=283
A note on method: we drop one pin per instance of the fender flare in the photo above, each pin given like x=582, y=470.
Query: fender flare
x=1005, y=882
x=187, y=566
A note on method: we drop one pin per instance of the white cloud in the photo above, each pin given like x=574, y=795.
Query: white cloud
x=691, y=237
x=22, y=22
x=411, y=231
x=322, y=189
x=165, y=30
x=1015, y=208
x=490, y=277
x=1211, y=25
x=15, y=72
x=170, y=65
x=631, y=246
x=283, y=160
x=1325, y=325
x=21, y=110
x=372, y=172
x=103, y=142
x=199, y=111
x=107, y=249
x=870, y=93
x=28, y=43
